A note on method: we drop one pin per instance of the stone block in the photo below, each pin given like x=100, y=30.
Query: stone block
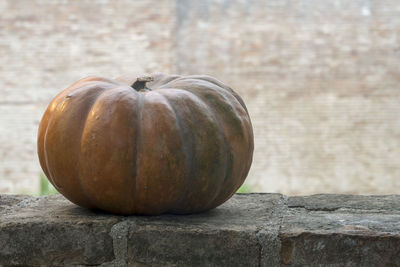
x=248, y=230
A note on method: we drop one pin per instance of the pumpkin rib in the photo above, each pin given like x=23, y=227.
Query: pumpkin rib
x=188, y=155
x=161, y=146
x=221, y=85
x=42, y=144
x=40, y=148
x=226, y=88
x=46, y=158
x=228, y=158
x=60, y=97
x=226, y=94
x=226, y=98
x=101, y=144
x=161, y=80
x=75, y=197
x=79, y=178
x=138, y=135
x=226, y=148
x=213, y=88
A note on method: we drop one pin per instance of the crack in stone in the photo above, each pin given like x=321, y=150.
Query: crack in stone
x=119, y=233
x=269, y=236
x=275, y=230
x=313, y=209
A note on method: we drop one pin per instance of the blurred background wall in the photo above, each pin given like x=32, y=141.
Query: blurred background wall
x=321, y=79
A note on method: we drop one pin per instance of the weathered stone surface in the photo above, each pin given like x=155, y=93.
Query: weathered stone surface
x=7, y=202
x=52, y=231
x=226, y=236
x=248, y=230
x=341, y=230
x=325, y=202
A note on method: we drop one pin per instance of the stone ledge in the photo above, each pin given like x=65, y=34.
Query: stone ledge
x=248, y=230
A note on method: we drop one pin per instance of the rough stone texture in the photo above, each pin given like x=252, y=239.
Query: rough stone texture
x=320, y=78
x=248, y=230
x=51, y=231
x=226, y=236
x=341, y=230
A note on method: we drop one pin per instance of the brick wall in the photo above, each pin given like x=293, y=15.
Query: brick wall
x=321, y=79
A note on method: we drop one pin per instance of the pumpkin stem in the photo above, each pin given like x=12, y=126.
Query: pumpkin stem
x=140, y=83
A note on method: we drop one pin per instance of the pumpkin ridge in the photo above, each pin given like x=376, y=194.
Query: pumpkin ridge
x=74, y=87
x=79, y=178
x=221, y=91
x=60, y=96
x=227, y=149
x=95, y=79
x=161, y=157
x=189, y=163
x=169, y=80
x=46, y=157
x=250, y=136
x=242, y=126
x=225, y=95
x=89, y=85
x=136, y=149
x=113, y=107
x=219, y=84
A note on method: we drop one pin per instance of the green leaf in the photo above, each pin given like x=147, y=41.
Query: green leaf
x=46, y=188
x=244, y=189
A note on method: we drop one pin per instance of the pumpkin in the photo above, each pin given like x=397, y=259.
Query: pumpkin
x=148, y=145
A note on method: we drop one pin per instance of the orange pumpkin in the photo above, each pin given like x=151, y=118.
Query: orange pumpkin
x=147, y=145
